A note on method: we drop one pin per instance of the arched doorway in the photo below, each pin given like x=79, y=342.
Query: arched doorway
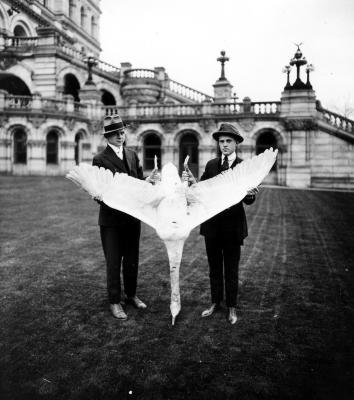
x=13, y=85
x=19, y=31
x=52, y=147
x=264, y=141
x=107, y=98
x=72, y=86
x=188, y=146
x=20, y=146
x=152, y=148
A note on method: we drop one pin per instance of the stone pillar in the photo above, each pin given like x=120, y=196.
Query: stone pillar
x=36, y=101
x=69, y=103
x=298, y=112
x=36, y=157
x=2, y=41
x=67, y=156
x=222, y=91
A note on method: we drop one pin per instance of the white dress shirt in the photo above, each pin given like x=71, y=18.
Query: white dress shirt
x=231, y=158
x=117, y=150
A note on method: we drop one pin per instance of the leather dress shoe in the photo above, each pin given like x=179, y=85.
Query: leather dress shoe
x=232, y=315
x=209, y=311
x=118, y=312
x=137, y=303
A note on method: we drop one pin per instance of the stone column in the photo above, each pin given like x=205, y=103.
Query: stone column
x=298, y=112
x=36, y=157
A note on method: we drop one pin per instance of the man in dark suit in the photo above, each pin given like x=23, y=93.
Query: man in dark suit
x=120, y=232
x=225, y=232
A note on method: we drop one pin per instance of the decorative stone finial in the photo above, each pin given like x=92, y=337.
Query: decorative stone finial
x=91, y=61
x=222, y=60
x=298, y=61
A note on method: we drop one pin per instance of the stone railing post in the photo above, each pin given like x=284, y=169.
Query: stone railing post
x=132, y=112
x=2, y=40
x=3, y=94
x=69, y=103
x=37, y=101
x=206, y=107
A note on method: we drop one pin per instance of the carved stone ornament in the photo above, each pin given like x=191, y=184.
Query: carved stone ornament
x=95, y=126
x=169, y=127
x=207, y=125
x=70, y=123
x=247, y=124
x=7, y=62
x=37, y=120
x=4, y=119
x=133, y=126
x=300, y=124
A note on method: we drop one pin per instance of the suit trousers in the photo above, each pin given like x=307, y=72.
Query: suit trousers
x=223, y=257
x=121, y=248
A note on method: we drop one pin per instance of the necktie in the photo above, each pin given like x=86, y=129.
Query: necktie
x=225, y=164
x=120, y=153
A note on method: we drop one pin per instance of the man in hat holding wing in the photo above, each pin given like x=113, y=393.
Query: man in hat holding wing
x=225, y=232
x=120, y=233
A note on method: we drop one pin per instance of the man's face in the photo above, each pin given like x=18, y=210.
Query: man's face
x=117, y=138
x=227, y=145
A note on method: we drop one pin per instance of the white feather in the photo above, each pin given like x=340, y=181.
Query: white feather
x=210, y=197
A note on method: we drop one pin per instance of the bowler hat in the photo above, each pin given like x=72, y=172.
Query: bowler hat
x=228, y=130
x=112, y=123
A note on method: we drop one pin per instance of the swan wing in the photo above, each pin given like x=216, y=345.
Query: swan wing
x=210, y=197
x=119, y=191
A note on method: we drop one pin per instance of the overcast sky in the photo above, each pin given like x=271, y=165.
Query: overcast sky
x=186, y=37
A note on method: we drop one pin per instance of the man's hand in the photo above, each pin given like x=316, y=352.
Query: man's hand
x=154, y=177
x=187, y=176
x=253, y=192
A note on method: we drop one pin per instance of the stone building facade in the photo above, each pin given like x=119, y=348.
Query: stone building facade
x=54, y=92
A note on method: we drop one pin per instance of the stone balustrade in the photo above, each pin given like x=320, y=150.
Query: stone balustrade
x=140, y=73
x=19, y=41
x=188, y=92
x=197, y=110
x=105, y=67
x=337, y=120
x=18, y=102
x=37, y=103
x=24, y=43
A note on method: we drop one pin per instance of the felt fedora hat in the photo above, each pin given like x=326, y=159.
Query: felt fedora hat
x=112, y=123
x=228, y=130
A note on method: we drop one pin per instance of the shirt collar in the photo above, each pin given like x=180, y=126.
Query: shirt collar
x=116, y=149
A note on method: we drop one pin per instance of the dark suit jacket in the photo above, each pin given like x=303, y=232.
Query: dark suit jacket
x=230, y=223
x=129, y=165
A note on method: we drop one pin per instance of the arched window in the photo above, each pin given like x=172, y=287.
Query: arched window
x=52, y=147
x=188, y=146
x=93, y=26
x=20, y=146
x=152, y=148
x=82, y=17
x=107, y=98
x=19, y=31
x=264, y=141
x=72, y=86
x=71, y=8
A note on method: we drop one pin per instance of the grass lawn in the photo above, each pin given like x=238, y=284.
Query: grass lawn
x=293, y=339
